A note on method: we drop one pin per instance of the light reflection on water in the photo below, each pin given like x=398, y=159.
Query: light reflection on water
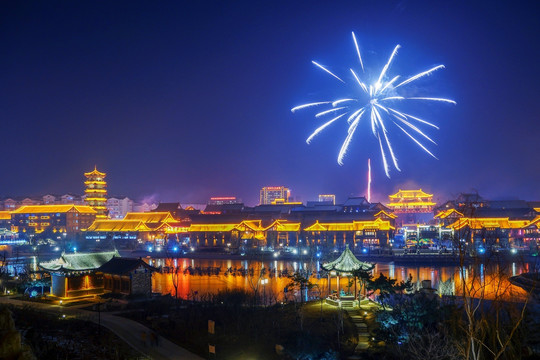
x=446, y=280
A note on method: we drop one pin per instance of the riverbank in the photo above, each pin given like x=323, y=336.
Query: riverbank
x=398, y=258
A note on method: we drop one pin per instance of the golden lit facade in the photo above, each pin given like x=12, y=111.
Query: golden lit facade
x=498, y=231
x=411, y=201
x=96, y=192
x=282, y=233
x=149, y=226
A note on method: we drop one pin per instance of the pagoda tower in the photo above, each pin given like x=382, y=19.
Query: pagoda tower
x=96, y=192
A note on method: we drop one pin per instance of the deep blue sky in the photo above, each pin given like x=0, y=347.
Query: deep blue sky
x=185, y=100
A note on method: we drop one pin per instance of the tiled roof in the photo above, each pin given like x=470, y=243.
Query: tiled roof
x=42, y=209
x=118, y=225
x=79, y=261
x=123, y=266
x=149, y=217
x=346, y=263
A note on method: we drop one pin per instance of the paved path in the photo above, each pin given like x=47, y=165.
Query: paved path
x=128, y=330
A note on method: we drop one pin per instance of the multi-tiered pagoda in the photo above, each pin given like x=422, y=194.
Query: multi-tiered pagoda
x=96, y=192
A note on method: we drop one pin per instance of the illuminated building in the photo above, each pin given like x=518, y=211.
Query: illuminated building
x=282, y=233
x=488, y=231
x=248, y=233
x=283, y=202
x=150, y=226
x=224, y=200
x=412, y=206
x=51, y=219
x=329, y=198
x=270, y=194
x=96, y=192
x=411, y=201
x=7, y=236
x=415, y=234
x=367, y=233
x=5, y=220
x=496, y=223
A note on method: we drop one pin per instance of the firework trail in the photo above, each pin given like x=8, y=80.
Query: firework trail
x=379, y=106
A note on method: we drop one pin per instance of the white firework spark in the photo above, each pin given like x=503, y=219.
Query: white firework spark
x=375, y=106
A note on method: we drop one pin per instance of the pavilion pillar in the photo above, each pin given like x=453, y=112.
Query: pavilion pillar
x=338, y=284
x=329, y=284
x=355, y=292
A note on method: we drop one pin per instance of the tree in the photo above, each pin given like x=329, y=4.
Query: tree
x=175, y=277
x=364, y=276
x=490, y=320
x=299, y=282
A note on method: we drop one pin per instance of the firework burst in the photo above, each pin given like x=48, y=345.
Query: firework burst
x=378, y=104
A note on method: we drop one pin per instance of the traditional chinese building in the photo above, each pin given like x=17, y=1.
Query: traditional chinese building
x=96, y=192
x=357, y=234
x=489, y=231
x=126, y=276
x=150, y=226
x=74, y=275
x=412, y=206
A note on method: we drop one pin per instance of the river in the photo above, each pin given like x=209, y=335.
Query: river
x=447, y=280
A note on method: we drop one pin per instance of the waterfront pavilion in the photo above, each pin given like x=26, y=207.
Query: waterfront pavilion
x=344, y=265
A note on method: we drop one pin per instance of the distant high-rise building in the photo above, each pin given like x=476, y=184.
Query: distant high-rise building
x=223, y=200
x=119, y=207
x=328, y=198
x=96, y=192
x=269, y=194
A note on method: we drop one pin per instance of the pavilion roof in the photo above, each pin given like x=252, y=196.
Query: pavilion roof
x=79, y=261
x=95, y=172
x=346, y=263
x=5, y=215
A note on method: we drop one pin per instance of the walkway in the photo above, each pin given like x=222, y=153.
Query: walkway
x=358, y=316
x=128, y=330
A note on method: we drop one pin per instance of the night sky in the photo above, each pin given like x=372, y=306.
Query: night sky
x=181, y=101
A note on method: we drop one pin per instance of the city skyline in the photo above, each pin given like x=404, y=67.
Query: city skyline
x=185, y=102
